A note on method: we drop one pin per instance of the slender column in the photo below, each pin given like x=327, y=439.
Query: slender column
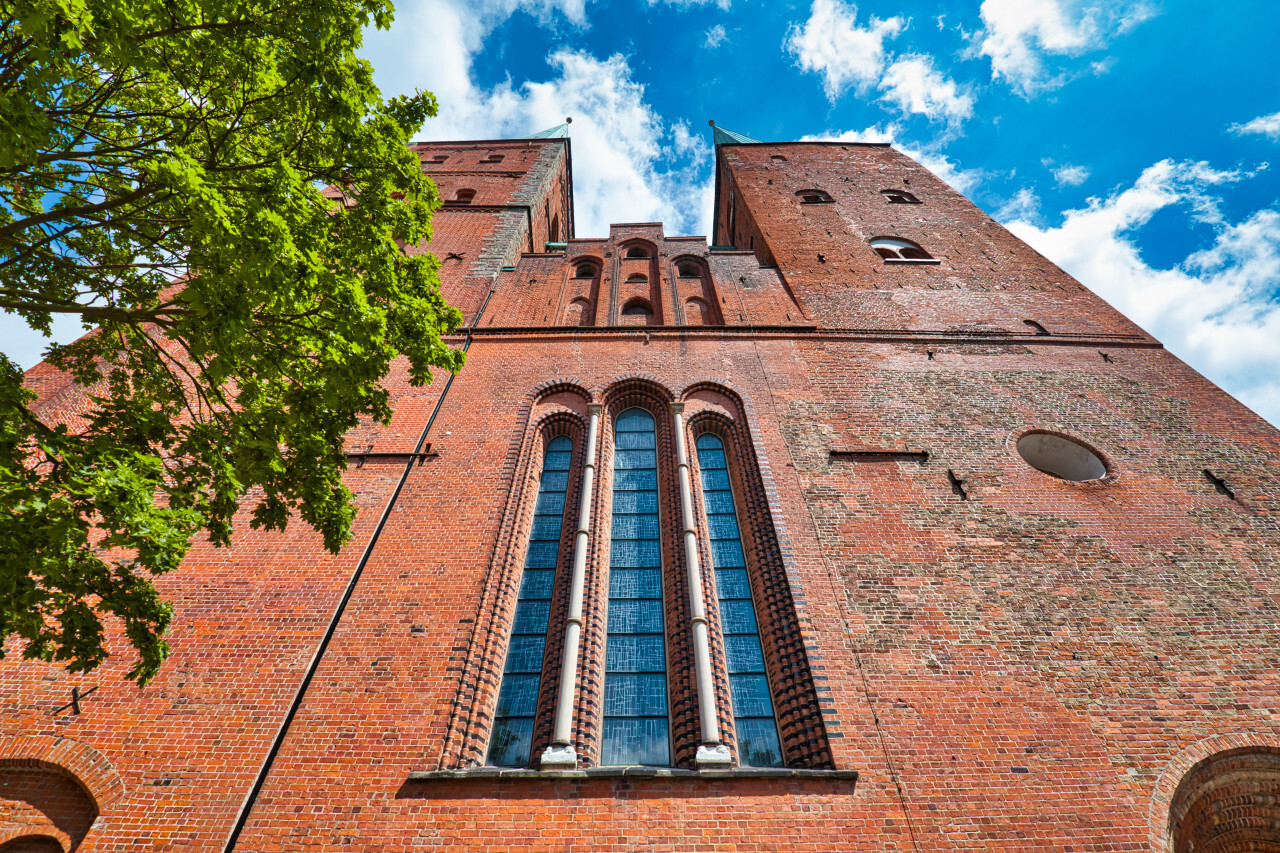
x=711, y=751
x=561, y=754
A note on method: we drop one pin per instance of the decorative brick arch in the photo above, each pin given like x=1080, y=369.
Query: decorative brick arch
x=51, y=833
x=1196, y=758
x=89, y=767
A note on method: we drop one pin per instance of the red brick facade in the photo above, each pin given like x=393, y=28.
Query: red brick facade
x=963, y=652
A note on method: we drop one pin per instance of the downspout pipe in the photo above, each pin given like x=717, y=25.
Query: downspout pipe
x=561, y=754
x=242, y=817
x=711, y=752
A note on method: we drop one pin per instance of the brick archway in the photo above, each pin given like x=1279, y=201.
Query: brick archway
x=1223, y=792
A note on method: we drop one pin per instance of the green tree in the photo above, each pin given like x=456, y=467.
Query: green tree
x=162, y=175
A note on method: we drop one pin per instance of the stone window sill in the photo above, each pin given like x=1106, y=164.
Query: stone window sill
x=636, y=773
x=920, y=262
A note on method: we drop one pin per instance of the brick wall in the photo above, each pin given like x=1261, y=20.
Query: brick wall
x=1009, y=661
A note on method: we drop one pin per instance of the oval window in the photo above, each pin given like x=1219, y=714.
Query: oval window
x=1060, y=457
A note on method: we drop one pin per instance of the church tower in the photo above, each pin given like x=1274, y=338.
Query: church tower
x=858, y=526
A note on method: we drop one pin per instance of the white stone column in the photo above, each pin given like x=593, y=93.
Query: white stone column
x=711, y=752
x=561, y=754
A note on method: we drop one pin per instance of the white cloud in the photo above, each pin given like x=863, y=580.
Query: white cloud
x=1268, y=126
x=846, y=55
x=1024, y=207
x=962, y=180
x=1071, y=176
x=1018, y=34
x=622, y=148
x=716, y=36
x=915, y=87
x=832, y=44
x=1215, y=309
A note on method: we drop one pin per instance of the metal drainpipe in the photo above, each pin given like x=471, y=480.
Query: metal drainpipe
x=711, y=752
x=561, y=754
x=243, y=816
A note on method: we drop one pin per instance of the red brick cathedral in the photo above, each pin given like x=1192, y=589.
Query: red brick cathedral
x=860, y=527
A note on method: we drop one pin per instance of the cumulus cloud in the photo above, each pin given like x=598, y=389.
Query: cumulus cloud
x=1071, y=176
x=846, y=55
x=915, y=86
x=1268, y=126
x=622, y=148
x=832, y=44
x=1018, y=35
x=716, y=36
x=1215, y=309
x=1024, y=207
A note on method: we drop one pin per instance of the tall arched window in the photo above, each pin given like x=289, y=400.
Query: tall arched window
x=753, y=717
x=522, y=674
x=635, y=729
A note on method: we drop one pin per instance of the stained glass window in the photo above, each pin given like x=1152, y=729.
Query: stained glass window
x=635, y=725
x=522, y=674
x=753, y=718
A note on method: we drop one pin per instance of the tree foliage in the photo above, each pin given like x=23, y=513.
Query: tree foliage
x=162, y=175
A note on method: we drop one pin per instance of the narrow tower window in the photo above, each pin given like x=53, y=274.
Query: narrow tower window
x=813, y=197
x=899, y=197
x=522, y=676
x=584, y=271
x=637, y=252
x=894, y=249
x=689, y=271
x=635, y=726
x=753, y=718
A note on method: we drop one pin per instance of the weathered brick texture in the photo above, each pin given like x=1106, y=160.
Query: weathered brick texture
x=1009, y=660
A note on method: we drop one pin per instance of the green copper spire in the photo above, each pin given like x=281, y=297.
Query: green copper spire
x=560, y=131
x=723, y=137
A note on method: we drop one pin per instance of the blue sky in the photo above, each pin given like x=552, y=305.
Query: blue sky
x=1128, y=140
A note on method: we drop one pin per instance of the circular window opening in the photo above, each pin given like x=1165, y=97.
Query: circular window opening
x=1060, y=457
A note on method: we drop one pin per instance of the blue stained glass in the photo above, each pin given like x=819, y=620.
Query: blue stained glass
x=744, y=653
x=718, y=501
x=708, y=459
x=750, y=696
x=738, y=617
x=635, y=459
x=640, y=695
x=634, y=440
x=635, y=616
x=708, y=440
x=519, y=695
x=635, y=420
x=635, y=583
x=550, y=503
x=635, y=502
x=636, y=553
x=727, y=553
x=715, y=480
x=555, y=481
x=635, y=653
x=733, y=583
x=557, y=461
x=546, y=527
x=537, y=583
x=542, y=555
x=758, y=743
x=722, y=526
x=635, y=481
x=635, y=526
x=525, y=654
x=532, y=617
x=634, y=741
x=512, y=738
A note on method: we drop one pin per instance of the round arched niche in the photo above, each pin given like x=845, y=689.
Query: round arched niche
x=1061, y=457
x=1228, y=803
